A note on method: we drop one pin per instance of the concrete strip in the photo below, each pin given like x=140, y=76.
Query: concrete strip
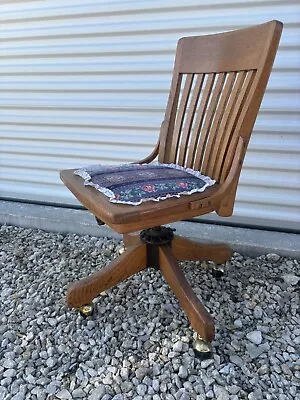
x=250, y=242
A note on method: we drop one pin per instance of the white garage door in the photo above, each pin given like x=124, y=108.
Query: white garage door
x=87, y=82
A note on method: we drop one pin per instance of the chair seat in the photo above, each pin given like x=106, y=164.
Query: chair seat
x=134, y=217
x=136, y=183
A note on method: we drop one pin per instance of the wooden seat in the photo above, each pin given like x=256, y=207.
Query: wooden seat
x=127, y=218
x=217, y=87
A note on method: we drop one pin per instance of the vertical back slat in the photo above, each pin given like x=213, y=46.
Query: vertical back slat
x=189, y=119
x=210, y=152
x=199, y=119
x=228, y=151
x=215, y=95
x=170, y=118
x=180, y=117
x=225, y=121
x=236, y=109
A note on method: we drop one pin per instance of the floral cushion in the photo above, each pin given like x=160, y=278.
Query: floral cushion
x=136, y=183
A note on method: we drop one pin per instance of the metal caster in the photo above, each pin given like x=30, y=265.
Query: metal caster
x=86, y=311
x=218, y=271
x=202, y=349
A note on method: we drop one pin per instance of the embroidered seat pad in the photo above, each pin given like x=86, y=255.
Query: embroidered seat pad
x=137, y=183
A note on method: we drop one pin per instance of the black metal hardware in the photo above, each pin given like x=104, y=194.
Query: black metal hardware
x=157, y=235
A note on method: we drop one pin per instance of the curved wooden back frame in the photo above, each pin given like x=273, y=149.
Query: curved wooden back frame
x=209, y=121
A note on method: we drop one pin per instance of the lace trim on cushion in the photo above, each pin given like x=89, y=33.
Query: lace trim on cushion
x=85, y=172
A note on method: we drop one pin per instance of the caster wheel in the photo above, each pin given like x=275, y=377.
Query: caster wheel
x=218, y=271
x=86, y=311
x=202, y=349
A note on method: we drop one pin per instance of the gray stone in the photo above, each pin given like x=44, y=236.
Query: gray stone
x=221, y=393
x=79, y=374
x=97, y=393
x=155, y=385
x=237, y=360
x=238, y=323
x=140, y=373
x=64, y=394
x=257, y=312
x=291, y=279
x=119, y=396
x=6, y=382
x=10, y=373
x=78, y=393
x=40, y=394
x=255, y=337
x=254, y=351
x=118, y=353
x=225, y=370
x=18, y=396
x=255, y=395
x=91, y=324
x=183, y=372
x=233, y=389
x=206, y=363
x=51, y=388
x=126, y=386
x=178, y=346
x=3, y=392
x=8, y=363
x=273, y=257
x=141, y=389
x=207, y=380
x=30, y=379
x=124, y=372
x=264, y=369
x=51, y=361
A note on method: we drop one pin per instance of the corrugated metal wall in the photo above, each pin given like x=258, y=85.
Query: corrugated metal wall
x=87, y=82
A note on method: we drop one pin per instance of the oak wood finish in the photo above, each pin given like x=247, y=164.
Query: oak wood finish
x=127, y=264
x=131, y=239
x=216, y=90
x=186, y=249
x=197, y=314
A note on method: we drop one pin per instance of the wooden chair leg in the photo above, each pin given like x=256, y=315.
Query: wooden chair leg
x=201, y=321
x=130, y=262
x=186, y=249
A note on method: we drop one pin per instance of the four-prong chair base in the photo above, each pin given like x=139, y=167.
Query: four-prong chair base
x=144, y=251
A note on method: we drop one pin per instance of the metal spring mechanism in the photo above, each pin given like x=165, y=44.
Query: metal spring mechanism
x=157, y=235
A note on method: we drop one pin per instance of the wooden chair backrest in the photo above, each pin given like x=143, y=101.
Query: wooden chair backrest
x=217, y=87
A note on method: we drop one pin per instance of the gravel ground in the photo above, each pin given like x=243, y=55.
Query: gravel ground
x=137, y=344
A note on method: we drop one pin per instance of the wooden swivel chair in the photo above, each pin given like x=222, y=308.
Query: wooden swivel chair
x=217, y=87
